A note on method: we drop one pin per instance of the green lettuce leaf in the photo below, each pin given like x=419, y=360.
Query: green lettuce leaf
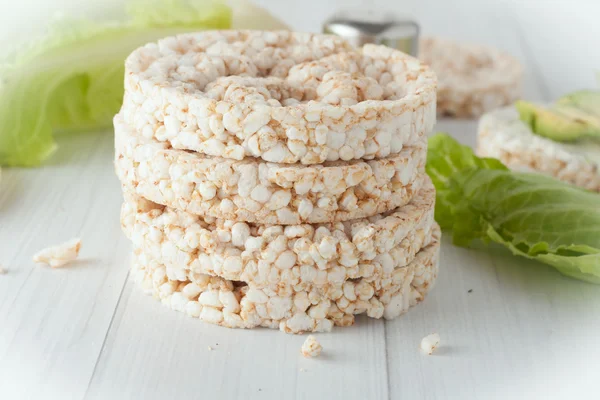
x=534, y=216
x=73, y=79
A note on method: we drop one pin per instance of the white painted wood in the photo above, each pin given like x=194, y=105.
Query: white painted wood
x=155, y=353
x=522, y=333
x=83, y=332
x=53, y=321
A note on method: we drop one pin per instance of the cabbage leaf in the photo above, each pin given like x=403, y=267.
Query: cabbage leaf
x=72, y=80
x=532, y=215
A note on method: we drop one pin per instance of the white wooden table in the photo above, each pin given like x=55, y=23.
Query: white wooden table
x=86, y=332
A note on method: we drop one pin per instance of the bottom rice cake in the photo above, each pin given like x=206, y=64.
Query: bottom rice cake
x=504, y=136
x=292, y=258
x=235, y=304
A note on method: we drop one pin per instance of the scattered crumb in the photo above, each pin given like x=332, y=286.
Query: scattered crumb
x=470, y=290
x=302, y=370
x=57, y=256
x=430, y=342
x=2, y=270
x=210, y=348
x=259, y=389
x=311, y=347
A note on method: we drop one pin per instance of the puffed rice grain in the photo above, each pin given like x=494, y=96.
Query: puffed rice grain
x=311, y=347
x=429, y=343
x=60, y=255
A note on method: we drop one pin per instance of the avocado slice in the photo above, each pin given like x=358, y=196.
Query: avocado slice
x=587, y=101
x=562, y=123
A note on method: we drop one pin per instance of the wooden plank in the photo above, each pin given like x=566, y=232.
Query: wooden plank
x=153, y=352
x=53, y=321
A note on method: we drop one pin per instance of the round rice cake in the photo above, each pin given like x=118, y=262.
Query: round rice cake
x=235, y=304
x=472, y=79
x=253, y=190
x=281, y=96
x=502, y=135
x=301, y=256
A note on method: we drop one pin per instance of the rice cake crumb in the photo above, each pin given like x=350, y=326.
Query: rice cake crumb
x=57, y=256
x=311, y=347
x=2, y=270
x=429, y=343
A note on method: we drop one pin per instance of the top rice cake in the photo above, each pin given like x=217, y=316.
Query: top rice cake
x=281, y=96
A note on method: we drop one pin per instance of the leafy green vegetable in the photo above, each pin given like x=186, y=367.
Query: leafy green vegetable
x=73, y=80
x=534, y=216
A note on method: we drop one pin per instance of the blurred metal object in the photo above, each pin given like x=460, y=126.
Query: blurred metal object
x=361, y=26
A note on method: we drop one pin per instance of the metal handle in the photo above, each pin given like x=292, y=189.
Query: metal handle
x=360, y=27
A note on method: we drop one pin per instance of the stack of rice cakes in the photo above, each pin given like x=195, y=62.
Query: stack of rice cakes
x=277, y=179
